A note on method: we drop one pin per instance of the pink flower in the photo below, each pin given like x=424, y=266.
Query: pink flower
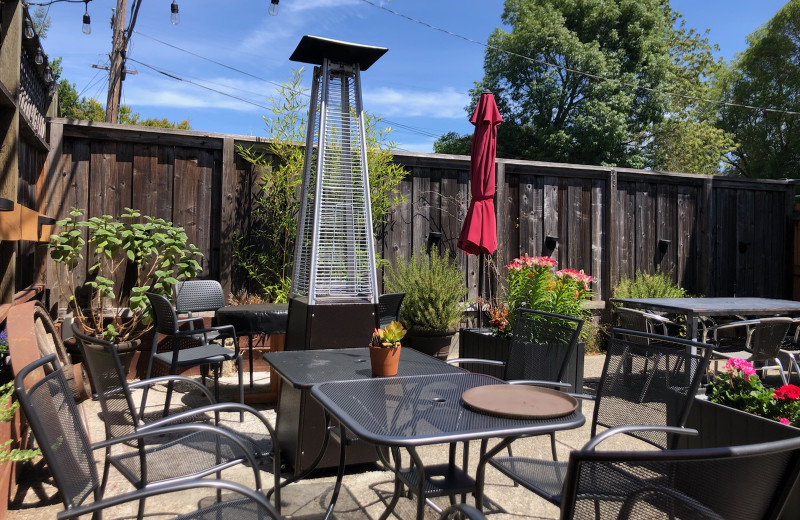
x=530, y=261
x=787, y=393
x=784, y=420
x=739, y=364
x=578, y=276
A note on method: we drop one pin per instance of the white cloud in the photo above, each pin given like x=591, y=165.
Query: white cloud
x=446, y=103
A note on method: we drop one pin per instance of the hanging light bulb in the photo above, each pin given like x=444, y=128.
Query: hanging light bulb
x=28, y=29
x=273, y=7
x=48, y=75
x=39, y=59
x=174, y=16
x=87, y=20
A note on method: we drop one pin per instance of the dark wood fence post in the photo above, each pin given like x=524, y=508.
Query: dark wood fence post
x=227, y=215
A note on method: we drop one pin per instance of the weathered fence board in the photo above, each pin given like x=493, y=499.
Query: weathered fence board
x=717, y=236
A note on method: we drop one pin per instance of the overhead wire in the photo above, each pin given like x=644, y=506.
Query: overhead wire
x=576, y=71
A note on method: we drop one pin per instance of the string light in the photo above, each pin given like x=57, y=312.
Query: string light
x=174, y=16
x=87, y=20
x=29, y=33
x=39, y=59
x=273, y=7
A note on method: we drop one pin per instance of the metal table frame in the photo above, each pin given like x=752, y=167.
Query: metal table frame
x=693, y=308
x=415, y=411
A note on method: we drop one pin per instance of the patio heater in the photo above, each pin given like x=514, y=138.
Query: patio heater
x=334, y=299
x=334, y=295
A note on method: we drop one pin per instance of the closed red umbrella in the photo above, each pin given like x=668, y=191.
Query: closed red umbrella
x=479, y=232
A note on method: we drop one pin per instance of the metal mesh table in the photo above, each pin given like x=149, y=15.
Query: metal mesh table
x=421, y=410
x=301, y=422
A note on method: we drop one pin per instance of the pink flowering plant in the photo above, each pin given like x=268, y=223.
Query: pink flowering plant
x=739, y=387
x=535, y=283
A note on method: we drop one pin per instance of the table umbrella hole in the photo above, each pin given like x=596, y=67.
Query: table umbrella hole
x=362, y=360
x=438, y=400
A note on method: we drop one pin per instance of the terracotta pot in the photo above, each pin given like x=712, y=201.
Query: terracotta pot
x=384, y=361
x=434, y=343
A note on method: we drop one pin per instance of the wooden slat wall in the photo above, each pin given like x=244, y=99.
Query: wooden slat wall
x=719, y=236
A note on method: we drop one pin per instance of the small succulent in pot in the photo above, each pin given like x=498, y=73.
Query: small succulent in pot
x=389, y=337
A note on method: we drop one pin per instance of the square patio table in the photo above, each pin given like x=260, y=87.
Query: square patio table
x=693, y=308
x=300, y=427
x=415, y=411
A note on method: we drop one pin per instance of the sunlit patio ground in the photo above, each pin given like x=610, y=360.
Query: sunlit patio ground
x=364, y=495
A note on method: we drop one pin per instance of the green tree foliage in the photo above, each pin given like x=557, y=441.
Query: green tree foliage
x=553, y=113
x=40, y=21
x=766, y=75
x=453, y=143
x=264, y=255
x=687, y=140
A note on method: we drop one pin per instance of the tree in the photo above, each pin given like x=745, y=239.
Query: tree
x=766, y=75
x=264, y=255
x=453, y=143
x=41, y=22
x=687, y=139
x=553, y=112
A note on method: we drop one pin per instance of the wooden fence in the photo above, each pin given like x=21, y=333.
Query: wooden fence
x=718, y=236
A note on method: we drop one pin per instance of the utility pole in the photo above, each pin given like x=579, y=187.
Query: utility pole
x=119, y=42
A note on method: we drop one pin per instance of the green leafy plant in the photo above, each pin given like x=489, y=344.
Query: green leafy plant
x=739, y=388
x=648, y=285
x=434, y=287
x=534, y=283
x=149, y=253
x=263, y=255
x=388, y=337
x=8, y=408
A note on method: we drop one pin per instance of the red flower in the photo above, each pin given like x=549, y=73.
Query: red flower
x=787, y=393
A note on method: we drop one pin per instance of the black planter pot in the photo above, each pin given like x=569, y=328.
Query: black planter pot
x=481, y=344
x=434, y=343
x=721, y=426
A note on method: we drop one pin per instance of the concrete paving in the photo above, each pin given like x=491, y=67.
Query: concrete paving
x=364, y=495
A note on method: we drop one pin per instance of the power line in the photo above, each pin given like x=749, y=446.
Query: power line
x=575, y=71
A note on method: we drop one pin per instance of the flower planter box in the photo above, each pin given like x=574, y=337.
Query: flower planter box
x=724, y=426
x=480, y=343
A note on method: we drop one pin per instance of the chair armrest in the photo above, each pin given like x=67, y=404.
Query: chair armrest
x=675, y=496
x=732, y=325
x=458, y=361
x=166, y=379
x=462, y=511
x=173, y=487
x=217, y=328
x=602, y=436
x=536, y=382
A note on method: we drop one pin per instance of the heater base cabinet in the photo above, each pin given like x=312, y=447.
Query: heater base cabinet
x=345, y=325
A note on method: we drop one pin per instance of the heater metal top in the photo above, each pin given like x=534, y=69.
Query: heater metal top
x=313, y=49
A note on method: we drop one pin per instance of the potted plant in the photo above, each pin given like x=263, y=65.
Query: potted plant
x=739, y=409
x=384, y=349
x=531, y=283
x=432, y=307
x=131, y=254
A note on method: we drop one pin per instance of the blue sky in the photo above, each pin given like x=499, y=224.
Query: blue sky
x=420, y=86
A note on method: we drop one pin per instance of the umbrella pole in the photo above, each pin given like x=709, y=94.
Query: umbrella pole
x=480, y=290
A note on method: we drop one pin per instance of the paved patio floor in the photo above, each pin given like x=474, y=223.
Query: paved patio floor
x=364, y=495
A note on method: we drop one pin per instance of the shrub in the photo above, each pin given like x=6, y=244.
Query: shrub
x=645, y=285
x=434, y=287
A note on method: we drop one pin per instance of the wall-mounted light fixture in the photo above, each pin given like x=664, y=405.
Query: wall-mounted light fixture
x=663, y=245
x=743, y=246
x=434, y=239
x=273, y=7
x=6, y=205
x=550, y=242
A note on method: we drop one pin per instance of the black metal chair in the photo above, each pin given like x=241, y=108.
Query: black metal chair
x=198, y=296
x=714, y=483
x=121, y=417
x=190, y=347
x=59, y=429
x=389, y=308
x=790, y=348
x=635, y=319
x=760, y=342
x=647, y=385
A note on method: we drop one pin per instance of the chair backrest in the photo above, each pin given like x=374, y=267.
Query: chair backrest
x=541, y=346
x=198, y=295
x=649, y=379
x=712, y=483
x=110, y=383
x=389, y=307
x=56, y=423
x=164, y=315
x=768, y=337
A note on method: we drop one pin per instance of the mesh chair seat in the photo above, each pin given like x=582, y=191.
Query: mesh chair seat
x=389, y=308
x=197, y=355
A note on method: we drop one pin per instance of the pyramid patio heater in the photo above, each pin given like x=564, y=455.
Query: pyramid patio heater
x=334, y=295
